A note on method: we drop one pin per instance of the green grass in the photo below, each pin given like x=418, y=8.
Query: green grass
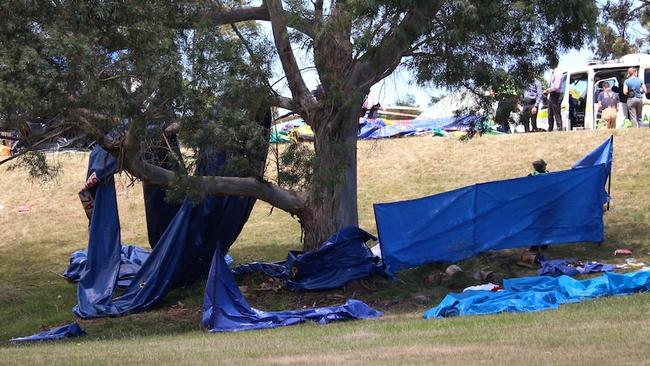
x=35, y=247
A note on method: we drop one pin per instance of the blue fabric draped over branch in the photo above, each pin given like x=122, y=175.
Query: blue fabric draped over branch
x=192, y=245
x=182, y=254
x=554, y=208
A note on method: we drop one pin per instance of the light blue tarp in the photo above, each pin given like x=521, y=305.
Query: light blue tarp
x=554, y=208
x=539, y=293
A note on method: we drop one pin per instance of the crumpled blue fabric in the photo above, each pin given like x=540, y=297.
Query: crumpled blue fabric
x=225, y=308
x=62, y=332
x=342, y=258
x=556, y=267
x=564, y=266
x=131, y=260
x=529, y=294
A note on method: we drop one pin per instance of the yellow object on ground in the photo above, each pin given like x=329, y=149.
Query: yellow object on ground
x=5, y=150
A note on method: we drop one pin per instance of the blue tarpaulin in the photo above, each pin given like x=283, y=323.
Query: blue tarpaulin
x=199, y=234
x=603, y=154
x=182, y=254
x=344, y=257
x=62, y=332
x=131, y=260
x=539, y=293
x=225, y=308
x=555, y=208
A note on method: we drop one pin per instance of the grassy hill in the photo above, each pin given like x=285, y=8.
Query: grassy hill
x=35, y=246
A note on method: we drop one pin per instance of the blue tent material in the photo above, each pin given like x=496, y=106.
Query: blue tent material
x=343, y=258
x=461, y=123
x=601, y=155
x=182, y=254
x=433, y=124
x=62, y=332
x=199, y=234
x=131, y=259
x=558, y=267
x=539, y=293
x=159, y=213
x=554, y=208
x=225, y=308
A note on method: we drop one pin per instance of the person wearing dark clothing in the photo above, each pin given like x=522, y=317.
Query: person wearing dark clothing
x=507, y=105
x=555, y=99
x=622, y=98
x=531, y=101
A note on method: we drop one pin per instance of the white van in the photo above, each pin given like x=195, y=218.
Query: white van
x=581, y=85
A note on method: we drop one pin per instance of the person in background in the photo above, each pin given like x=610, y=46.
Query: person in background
x=539, y=167
x=622, y=100
x=554, y=92
x=531, y=102
x=608, y=104
x=507, y=104
x=634, y=88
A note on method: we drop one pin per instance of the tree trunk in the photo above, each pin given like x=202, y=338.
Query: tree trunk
x=332, y=199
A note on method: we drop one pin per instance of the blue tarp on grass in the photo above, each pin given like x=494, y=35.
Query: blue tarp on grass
x=554, y=208
x=539, y=293
x=65, y=331
x=343, y=258
x=225, y=308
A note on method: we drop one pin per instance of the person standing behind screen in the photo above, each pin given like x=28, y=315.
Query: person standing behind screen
x=608, y=104
x=634, y=89
x=622, y=100
x=554, y=98
x=532, y=99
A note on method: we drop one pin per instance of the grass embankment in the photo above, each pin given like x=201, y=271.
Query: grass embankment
x=35, y=247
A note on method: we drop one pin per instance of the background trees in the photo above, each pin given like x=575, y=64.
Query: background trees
x=622, y=28
x=202, y=68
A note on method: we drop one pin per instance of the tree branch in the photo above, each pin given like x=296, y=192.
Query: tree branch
x=299, y=90
x=283, y=102
x=289, y=201
x=387, y=55
x=35, y=145
x=221, y=15
x=132, y=159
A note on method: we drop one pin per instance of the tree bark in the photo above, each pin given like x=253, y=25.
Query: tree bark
x=332, y=199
